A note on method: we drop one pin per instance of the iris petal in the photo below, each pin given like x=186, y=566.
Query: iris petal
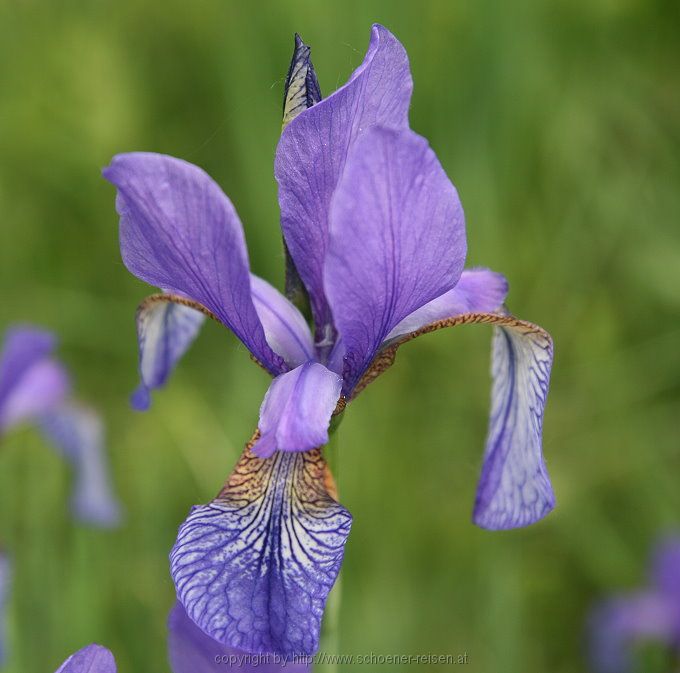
x=30, y=382
x=477, y=291
x=179, y=232
x=284, y=326
x=78, y=434
x=253, y=568
x=91, y=659
x=514, y=489
x=192, y=651
x=165, y=330
x=397, y=240
x=297, y=409
x=313, y=149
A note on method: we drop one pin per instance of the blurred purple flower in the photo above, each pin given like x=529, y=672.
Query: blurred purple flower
x=375, y=240
x=621, y=623
x=35, y=388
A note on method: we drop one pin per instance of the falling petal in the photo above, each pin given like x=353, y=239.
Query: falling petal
x=165, y=330
x=253, y=568
x=514, y=489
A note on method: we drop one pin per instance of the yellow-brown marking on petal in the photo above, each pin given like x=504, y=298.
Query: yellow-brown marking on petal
x=385, y=357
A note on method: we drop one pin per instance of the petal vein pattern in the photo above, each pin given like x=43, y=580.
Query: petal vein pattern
x=253, y=568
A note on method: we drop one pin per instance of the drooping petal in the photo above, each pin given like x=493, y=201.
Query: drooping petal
x=165, y=330
x=5, y=582
x=397, y=240
x=618, y=625
x=179, y=231
x=253, y=568
x=284, y=326
x=477, y=291
x=514, y=489
x=30, y=382
x=77, y=432
x=297, y=410
x=91, y=659
x=313, y=149
x=192, y=651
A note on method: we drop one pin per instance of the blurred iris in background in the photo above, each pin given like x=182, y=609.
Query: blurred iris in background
x=639, y=632
x=35, y=389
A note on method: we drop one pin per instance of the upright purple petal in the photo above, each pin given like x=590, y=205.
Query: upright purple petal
x=477, y=291
x=313, y=149
x=91, y=659
x=5, y=583
x=192, y=651
x=397, y=240
x=165, y=330
x=285, y=328
x=30, y=382
x=253, y=568
x=77, y=432
x=179, y=231
x=618, y=625
x=297, y=409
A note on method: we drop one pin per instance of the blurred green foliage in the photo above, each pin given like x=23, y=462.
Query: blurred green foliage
x=558, y=121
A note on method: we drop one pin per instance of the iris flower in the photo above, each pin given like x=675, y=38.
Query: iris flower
x=622, y=624
x=375, y=239
x=35, y=389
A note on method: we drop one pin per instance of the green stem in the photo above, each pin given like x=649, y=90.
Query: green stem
x=330, y=630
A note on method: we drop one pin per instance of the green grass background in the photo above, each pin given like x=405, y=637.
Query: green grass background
x=558, y=121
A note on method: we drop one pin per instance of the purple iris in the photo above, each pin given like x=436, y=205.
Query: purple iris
x=35, y=389
x=619, y=625
x=375, y=240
